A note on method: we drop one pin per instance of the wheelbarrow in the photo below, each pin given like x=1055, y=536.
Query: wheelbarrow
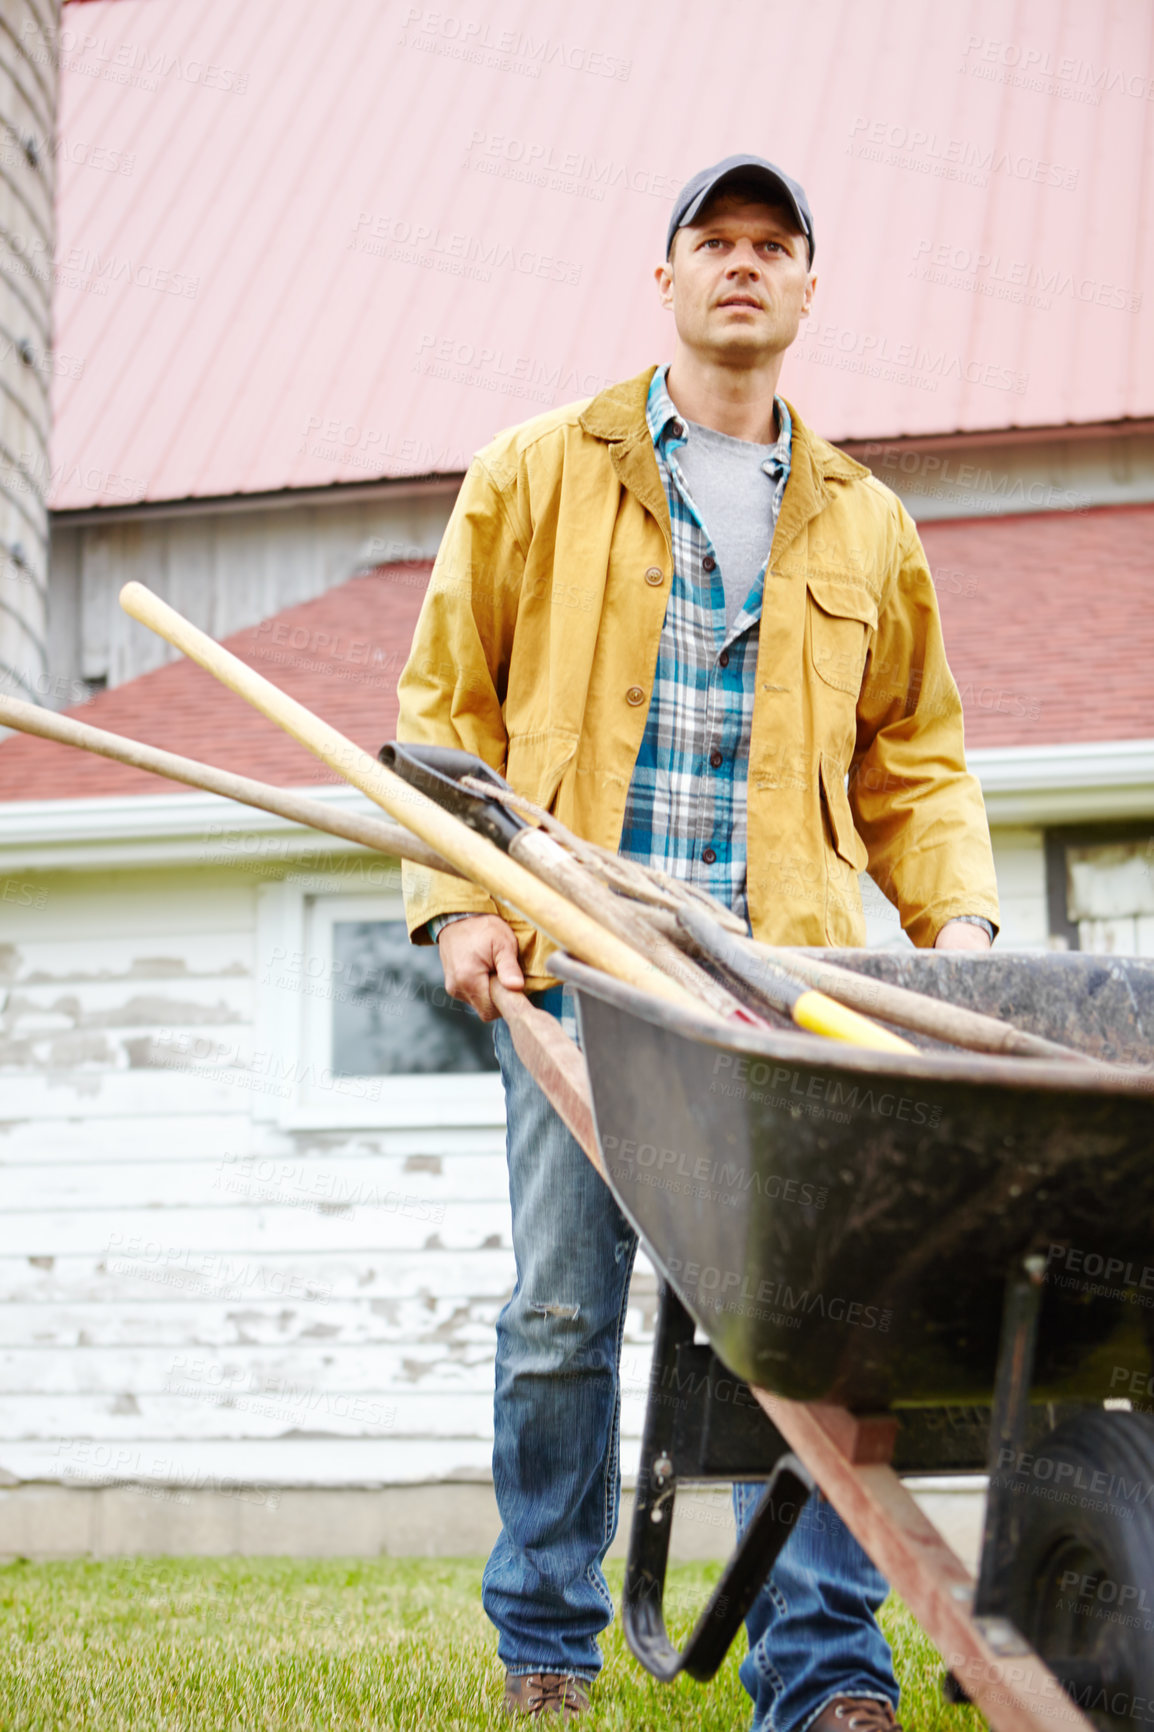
x=878, y=1265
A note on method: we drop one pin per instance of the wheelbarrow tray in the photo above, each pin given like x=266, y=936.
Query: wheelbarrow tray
x=840, y=1223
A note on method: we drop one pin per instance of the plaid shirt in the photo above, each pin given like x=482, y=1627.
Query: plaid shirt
x=685, y=811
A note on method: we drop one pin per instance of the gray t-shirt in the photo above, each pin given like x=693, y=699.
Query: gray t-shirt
x=733, y=493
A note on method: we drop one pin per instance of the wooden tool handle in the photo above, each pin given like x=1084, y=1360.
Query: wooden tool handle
x=808, y=1008
x=375, y=833
x=546, y=859
x=916, y=1010
x=473, y=856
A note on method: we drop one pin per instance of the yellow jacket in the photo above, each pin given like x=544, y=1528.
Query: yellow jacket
x=537, y=644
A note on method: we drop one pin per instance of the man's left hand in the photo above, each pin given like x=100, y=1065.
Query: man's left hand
x=962, y=935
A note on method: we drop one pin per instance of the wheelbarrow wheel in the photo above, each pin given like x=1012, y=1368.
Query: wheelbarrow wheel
x=1081, y=1588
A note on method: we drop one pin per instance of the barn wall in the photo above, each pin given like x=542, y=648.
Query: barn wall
x=190, y=1288
x=223, y=569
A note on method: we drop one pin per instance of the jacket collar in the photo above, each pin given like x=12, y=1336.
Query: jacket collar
x=617, y=415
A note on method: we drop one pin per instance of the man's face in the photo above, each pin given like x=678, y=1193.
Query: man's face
x=738, y=281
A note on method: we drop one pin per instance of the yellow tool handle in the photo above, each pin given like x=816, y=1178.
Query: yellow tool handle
x=822, y=1015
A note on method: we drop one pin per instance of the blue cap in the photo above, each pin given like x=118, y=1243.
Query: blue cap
x=784, y=190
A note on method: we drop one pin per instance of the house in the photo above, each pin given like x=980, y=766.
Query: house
x=254, y=1255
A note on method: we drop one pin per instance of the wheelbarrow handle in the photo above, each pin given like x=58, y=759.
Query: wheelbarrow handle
x=553, y=1061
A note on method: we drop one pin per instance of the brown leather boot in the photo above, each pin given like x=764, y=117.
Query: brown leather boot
x=856, y=1714
x=539, y=1693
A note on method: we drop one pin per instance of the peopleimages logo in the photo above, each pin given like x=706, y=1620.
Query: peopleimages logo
x=401, y=241
x=480, y=43
x=1016, y=280
x=875, y=354
x=730, y=1290
x=1107, y=1277
x=898, y=145
x=1028, y=67
x=708, y=1179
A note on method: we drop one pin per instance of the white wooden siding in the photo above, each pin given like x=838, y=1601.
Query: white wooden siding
x=192, y=1291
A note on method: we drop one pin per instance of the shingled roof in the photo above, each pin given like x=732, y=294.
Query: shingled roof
x=1047, y=621
x=1048, y=624
x=340, y=654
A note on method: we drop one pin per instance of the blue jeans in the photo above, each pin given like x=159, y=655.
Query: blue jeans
x=556, y=1468
x=813, y=1630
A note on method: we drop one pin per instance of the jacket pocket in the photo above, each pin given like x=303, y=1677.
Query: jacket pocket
x=848, y=845
x=842, y=616
x=535, y=764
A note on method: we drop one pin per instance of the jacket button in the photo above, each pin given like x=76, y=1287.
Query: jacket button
x=635, y=695
x=655, y=575
x=709, y=855
x=723, y=659
x=709, y=563
x=716, y=760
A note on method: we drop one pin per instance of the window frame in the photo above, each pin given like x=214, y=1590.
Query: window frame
x=1063, y=932
x=296, y=918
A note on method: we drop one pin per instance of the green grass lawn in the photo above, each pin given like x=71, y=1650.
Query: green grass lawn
x=279, y=1645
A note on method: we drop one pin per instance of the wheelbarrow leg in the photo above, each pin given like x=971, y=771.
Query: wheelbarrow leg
x=999, y=1671
x=701, y=1423
x=1008, y=1433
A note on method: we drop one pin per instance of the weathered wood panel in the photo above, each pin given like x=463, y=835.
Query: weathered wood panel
x=455, y=1410
x=42, y=1143
x=224, y=569
x=35, y=959
x=364, y=1276
x=29, y=77
x=261, y=1072
x=228, y=1179
x=246, y=1467
x=196, y=1292
x=140, y=1139
x=176, y=1247
x=221, y=1377
x=458, y=1316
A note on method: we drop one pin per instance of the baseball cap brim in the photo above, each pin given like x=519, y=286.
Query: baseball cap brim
x=697, y=192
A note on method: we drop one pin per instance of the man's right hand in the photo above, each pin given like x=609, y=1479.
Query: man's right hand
x=472, y=951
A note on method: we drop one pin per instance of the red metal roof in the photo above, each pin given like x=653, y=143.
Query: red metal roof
x=302, y=245
x=1047, y=620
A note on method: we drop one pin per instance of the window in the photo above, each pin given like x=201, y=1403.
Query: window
x=391, y=1015
x=1100, y=888
x=357, y=1019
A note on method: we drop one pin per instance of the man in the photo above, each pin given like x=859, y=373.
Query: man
x=680, y=620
